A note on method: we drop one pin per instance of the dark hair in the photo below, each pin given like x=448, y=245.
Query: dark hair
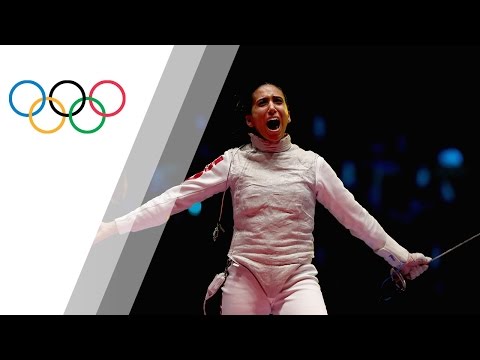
x=243, y=103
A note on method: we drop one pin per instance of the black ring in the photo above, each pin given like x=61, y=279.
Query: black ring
x=67, y=82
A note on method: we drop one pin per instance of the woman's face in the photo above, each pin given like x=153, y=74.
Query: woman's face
x=269, y=115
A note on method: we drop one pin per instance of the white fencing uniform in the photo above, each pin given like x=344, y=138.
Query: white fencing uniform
x=274, y=190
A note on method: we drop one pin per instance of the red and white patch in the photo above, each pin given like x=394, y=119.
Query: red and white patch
x=207, y=168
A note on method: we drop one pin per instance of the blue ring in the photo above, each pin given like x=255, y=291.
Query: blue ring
x=44, y=98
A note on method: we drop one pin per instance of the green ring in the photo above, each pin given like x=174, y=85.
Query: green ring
x=70, y=117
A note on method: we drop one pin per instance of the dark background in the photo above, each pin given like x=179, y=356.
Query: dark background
x=385, y=108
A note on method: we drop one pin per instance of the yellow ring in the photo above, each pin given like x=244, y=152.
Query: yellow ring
x=30, y=116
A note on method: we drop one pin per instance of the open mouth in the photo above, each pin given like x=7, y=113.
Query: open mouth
x=273, y=124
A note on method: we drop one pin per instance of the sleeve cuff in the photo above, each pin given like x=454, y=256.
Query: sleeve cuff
x=393, y=253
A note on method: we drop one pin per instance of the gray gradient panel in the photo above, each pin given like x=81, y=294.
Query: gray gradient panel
x=172, y=168
x=130, y=192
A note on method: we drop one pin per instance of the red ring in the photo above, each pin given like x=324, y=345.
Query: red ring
x=108, y=82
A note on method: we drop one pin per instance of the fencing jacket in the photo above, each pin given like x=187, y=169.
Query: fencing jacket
x=274, y=189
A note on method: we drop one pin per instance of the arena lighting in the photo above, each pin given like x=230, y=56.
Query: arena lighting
x=319, y=127
x=195, y=209
x=450, y=158
x=423, y=177
x=349, y=176
x=447, y=191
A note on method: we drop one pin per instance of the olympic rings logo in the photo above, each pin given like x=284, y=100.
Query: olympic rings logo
x=71, y=113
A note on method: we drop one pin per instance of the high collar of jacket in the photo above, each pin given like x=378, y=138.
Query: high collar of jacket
x=266, y=146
